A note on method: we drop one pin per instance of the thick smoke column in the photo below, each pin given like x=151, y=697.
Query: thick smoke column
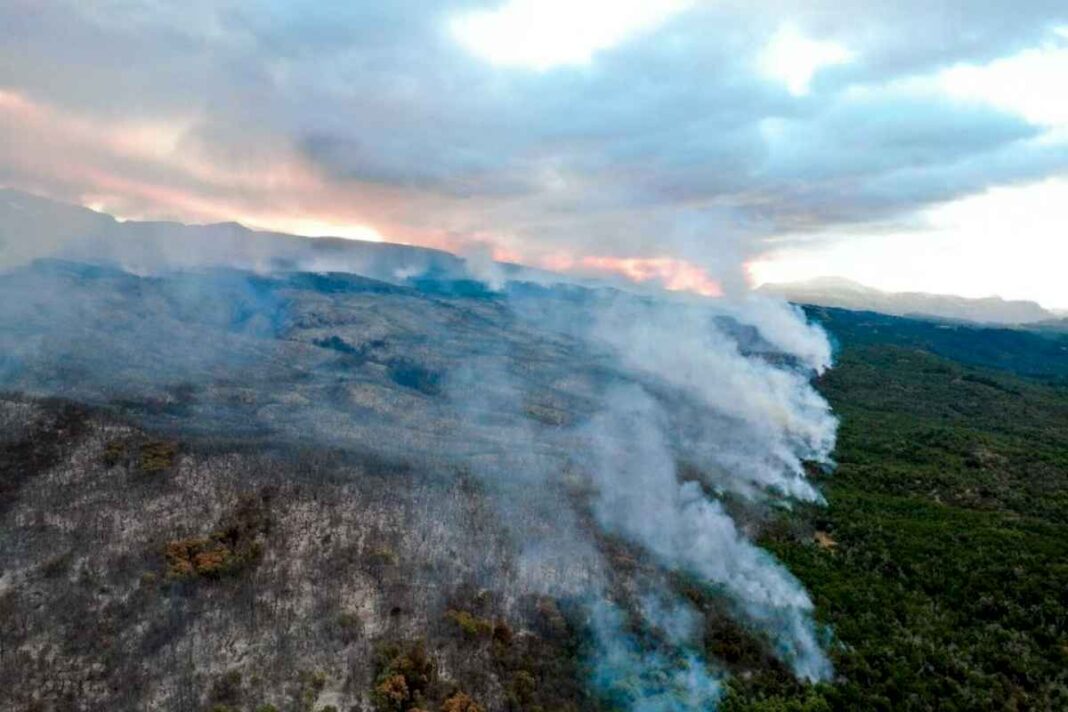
x=758, y=397
x=725, y=388
x=641, y=499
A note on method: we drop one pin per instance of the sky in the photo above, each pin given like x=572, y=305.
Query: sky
x=706, y=146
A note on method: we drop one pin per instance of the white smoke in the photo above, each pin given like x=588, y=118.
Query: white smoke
x=784, y=326
x=724, y=386
x=644, y=681
x=673, y=617
x=554, y=395
x=641, y=499
x=760, y=419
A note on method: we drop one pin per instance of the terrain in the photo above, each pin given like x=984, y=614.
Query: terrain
x=230, y=490
x=941, y=558
x=842, y=293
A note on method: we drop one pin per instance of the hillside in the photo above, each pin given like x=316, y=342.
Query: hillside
x=1040, y=353
x=307, y=489
x=296, y=491
x=941, y=559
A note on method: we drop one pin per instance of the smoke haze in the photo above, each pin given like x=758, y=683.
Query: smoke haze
x=587, y=414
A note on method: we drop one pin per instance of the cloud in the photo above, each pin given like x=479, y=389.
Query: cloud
x=659, y=137
x=957, y=247
x=1027, y=83
x=547, y=33
x=795, y=59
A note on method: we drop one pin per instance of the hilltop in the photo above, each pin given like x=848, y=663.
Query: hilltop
x=847, y=294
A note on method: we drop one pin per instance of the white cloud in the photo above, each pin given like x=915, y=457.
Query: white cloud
x=794, y=59
x=312, y=227
x=545, y=33
x=1009, y=241
x=1030, y=84
x=677, y=148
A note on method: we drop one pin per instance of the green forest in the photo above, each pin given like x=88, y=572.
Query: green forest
x=940, y=561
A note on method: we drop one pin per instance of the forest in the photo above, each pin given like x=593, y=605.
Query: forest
x=941, y=558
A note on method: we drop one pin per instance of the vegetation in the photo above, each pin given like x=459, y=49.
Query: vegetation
x=234, y=546
x=939, y=565
x=349, y=627
x=1040, y=354
x=540, y=669
x=226, y=691
x=410, y=374
x=41, y=448
x=941, y=559
x=406, y=679
x=114, y=453
x=156, y=456
x=472, y=626
x=306, y=690
x=461, y=702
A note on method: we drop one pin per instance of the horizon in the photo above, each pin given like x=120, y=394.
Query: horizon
x=693, y=145
x=611, y=277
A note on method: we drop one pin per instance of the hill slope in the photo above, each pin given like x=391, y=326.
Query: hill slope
x=941, y=559
x=221, y=490
x=225, y=489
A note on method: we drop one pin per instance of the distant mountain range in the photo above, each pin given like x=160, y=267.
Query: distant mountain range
x=846, y=294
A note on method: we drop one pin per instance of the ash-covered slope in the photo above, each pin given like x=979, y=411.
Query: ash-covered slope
x=148, y=571
x=269, y=487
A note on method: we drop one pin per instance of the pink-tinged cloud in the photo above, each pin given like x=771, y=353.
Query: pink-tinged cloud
x=162, y=170
x=673, y=274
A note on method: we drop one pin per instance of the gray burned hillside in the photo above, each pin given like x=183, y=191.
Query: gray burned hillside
x=226, y=489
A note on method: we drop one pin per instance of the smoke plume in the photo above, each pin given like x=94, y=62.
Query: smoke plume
x=593, y=418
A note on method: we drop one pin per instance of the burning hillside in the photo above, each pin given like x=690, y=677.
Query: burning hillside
x=550, y=468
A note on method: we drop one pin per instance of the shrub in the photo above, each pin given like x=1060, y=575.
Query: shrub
x=158, y=455
x=472, y=626
x=405, y=678
x=56, y=566
x=114, y=453
x=226, y=690
x=349, y=627
x=231, y=548
x=502, y=633
x=382, y=556
x=187, y=558
x=412, y=375
x=461, y=702
x=522, y=687
x=392, y=692
x=309, y=686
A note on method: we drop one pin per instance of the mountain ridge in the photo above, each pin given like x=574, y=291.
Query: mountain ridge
x=843, y=293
